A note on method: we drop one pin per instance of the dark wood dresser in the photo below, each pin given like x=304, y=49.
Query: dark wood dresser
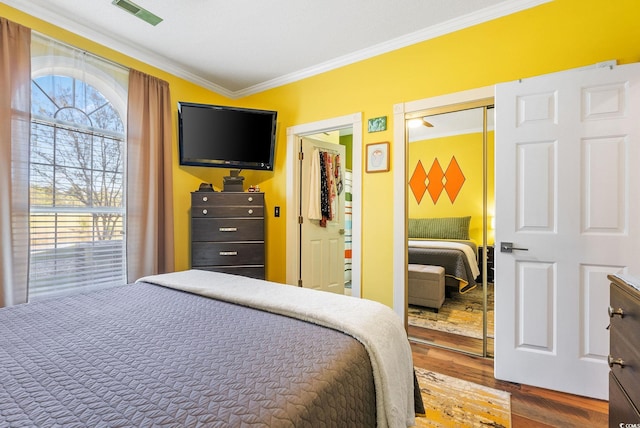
x=624, y=351
x=227, y=232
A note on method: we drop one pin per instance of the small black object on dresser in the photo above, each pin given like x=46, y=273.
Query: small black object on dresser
x=227, y=232
x=624, y=351
x=206, y=187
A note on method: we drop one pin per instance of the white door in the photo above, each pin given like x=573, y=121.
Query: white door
x=322, y=246
x=567, y=191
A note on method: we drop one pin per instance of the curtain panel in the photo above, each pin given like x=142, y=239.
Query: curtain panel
x=150, y=241
x=15, y=126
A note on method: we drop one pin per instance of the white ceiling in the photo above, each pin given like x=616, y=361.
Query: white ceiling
x=240, y=47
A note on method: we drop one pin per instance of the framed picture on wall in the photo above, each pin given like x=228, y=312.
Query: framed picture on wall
x=378, y=157
x=377, y=124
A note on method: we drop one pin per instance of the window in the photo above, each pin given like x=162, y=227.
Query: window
x=77, y=181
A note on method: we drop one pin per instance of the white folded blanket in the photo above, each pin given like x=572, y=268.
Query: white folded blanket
x=467, y=250
x=375, y=325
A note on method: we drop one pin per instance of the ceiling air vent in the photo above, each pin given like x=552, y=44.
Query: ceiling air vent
x=136, y=10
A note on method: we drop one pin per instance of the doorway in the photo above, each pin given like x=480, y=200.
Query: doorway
x=353, y=122
x=402, y=193
x=325, y=210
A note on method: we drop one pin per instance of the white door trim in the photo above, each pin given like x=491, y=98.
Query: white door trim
x=292, y=167
x=400, y=182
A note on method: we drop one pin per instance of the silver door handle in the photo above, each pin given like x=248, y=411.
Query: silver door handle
x=507, y=247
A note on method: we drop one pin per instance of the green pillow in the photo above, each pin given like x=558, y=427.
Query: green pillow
x=439, y=228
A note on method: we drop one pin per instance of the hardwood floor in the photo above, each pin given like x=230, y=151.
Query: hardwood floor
x=531, y=407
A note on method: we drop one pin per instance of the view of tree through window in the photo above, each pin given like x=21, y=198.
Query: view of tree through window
x=76, y=187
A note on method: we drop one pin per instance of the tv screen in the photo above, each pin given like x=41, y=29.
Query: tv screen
x=226, y=137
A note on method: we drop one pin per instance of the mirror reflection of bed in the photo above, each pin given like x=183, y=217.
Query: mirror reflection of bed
x=450, y=211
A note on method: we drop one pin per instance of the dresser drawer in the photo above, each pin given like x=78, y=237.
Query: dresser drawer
x=227, y=211
x=624, y=339
x=621, y=298
x=226, y=253
x=621, y=409
x=227, y=229
x=626, y=350
x=226, y=199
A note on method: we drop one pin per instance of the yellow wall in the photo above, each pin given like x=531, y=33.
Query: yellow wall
x=552, y=37
x=467, y=150
x=555, y=36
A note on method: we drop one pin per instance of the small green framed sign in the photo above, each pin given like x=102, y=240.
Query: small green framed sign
x=377, y=124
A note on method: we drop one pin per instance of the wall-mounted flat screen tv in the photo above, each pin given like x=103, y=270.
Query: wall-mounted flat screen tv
x=226, y=137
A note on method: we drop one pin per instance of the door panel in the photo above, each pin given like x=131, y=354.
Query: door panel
x=566, y=145
x=535, y=293
x=313, y=262
x=336, y=262
x=604, y=170
x=536, y=176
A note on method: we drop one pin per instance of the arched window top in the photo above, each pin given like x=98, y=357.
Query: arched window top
x=90, y=82
x=70, y=100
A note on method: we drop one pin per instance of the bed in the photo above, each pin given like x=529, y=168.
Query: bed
x=198, y=348
x=445, y=242
x=458, y=258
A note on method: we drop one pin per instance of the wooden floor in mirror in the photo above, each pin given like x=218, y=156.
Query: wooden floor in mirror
x=458, y=324
x=466, y=344
x=531, y=407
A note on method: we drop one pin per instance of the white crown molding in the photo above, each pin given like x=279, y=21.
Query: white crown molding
x=165, y=64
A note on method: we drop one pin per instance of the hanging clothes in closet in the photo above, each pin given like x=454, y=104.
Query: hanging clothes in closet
x=314, y=213
x=326, y=183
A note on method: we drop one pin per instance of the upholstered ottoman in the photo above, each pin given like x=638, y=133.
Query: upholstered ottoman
x=426, y=286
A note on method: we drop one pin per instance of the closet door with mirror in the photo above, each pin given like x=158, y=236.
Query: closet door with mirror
x=450, y=206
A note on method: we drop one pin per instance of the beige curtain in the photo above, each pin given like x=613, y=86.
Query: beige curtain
x=150, y=248
x=15, y=126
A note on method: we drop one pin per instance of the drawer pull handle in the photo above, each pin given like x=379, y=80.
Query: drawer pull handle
x=228, y=253
x=204, y=212
x=228, y=229
x=250, y=211
x=205, y=199
x=250, y=199
x=615, y=361
x=613, y=312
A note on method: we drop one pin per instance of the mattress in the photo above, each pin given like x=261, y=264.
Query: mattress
x=146, y=355
x=460, y=264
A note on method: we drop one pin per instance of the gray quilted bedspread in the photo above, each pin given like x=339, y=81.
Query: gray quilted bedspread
x=143, y=355
x=453, y=261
